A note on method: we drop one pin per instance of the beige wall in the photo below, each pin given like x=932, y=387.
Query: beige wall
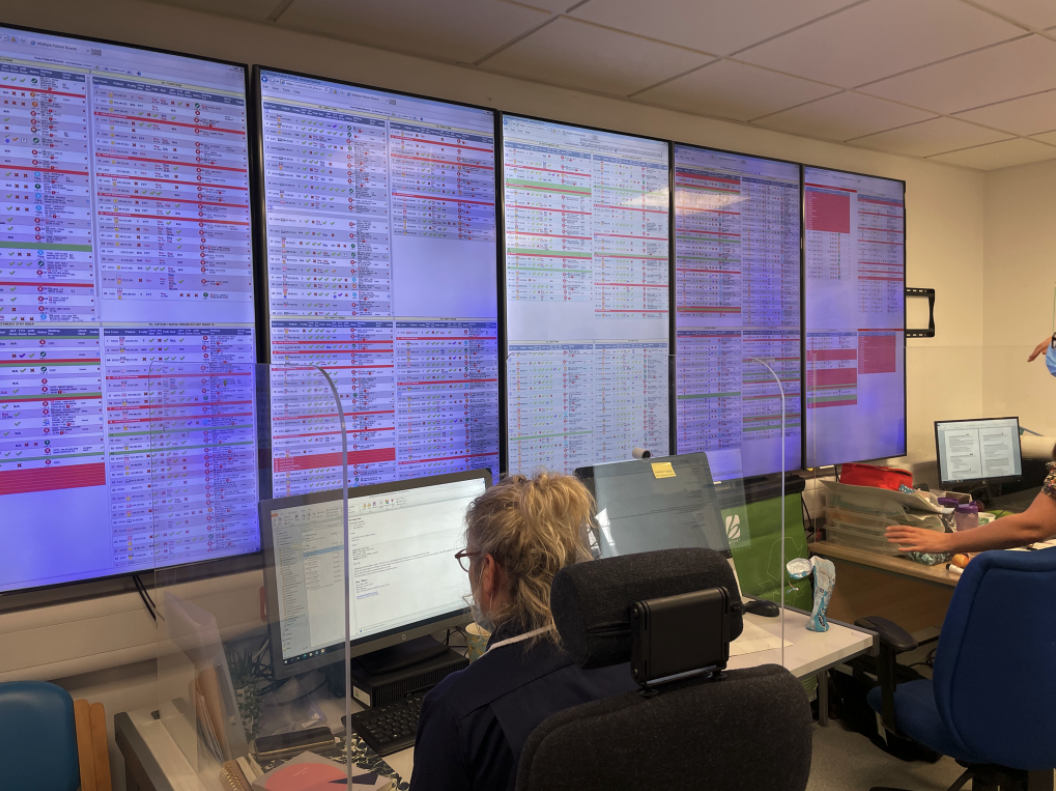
x=1018, y=281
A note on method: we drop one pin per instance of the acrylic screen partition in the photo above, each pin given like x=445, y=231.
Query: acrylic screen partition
x=674, y=503
x=587, y=220
x=381, y=260
x=737, y=298
x=854, y=317
x=126, y=238
x=218, y=689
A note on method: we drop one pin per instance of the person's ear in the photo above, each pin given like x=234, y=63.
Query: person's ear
x=489, y=579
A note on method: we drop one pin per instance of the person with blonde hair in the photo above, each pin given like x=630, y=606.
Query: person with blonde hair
x=473, y=724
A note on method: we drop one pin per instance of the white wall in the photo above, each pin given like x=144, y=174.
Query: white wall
x=1018, y=281
x=945, y=204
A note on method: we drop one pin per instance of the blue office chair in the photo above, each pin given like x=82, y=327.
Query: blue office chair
x=39, y=725
x=991, y=704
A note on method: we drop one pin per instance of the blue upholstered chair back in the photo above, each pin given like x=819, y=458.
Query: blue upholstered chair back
x=995, y=668
x=38, y=738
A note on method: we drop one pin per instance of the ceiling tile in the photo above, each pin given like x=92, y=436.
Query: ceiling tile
x=842, y=117
x=931, y=137
x=454, y=30
x=721, y=28
x=999, y=155
x=1048, y=137
x=991, y=75
x=553, y=6
x=733, y=90
x=1025, y=116
x=580, y=55
x=876, y=39
x=258, y=10
x=1037, y=13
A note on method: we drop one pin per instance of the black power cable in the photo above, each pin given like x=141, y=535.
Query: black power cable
x=148, y=602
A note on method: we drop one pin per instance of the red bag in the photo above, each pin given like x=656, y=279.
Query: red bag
x=874, y=475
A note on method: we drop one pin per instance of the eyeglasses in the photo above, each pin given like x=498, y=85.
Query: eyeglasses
x=463, y=558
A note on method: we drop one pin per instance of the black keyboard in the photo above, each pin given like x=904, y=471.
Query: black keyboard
x=388, y=729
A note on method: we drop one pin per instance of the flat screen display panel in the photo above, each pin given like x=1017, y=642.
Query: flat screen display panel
x=855, y=317
x=402, y=542
x=587, y=220
x=974, y=451
x=737, y=297
x=125, y=243
x=382, y=269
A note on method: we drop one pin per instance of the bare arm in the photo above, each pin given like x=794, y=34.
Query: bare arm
x=1016, y=530
x=1040, y=349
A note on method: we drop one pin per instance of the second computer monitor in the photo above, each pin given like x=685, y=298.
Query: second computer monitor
x=978, y=451
x=405, y=580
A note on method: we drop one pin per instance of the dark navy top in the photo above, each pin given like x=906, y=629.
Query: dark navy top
x=475, y=722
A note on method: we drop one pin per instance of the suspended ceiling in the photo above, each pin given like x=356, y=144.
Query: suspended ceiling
x=966, y=82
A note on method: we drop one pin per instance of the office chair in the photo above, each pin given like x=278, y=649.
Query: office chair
x=743, y=730
x=48, y=742
x=991, y=704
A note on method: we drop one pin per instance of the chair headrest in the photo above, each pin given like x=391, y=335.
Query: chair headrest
x=590, y=600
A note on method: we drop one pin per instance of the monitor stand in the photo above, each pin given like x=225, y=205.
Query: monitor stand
x=391, y=674
x=401, y=656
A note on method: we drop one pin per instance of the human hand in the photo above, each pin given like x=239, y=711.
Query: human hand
x=918, y=539
x=1041, y=348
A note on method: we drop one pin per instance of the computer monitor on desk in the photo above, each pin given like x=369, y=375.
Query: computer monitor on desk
x=658, y=503
x=406, y=582
x=978, y=452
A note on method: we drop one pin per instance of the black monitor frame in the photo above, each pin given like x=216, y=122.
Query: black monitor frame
x=975, y=482
x=374, y=642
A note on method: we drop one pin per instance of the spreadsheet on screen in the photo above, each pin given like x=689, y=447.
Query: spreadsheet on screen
x=381, y=249
x=125, y=245
x=855, y=308
x=737, y=296
x=587, y=221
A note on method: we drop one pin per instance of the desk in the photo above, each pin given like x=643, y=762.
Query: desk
x=911, y=594
x=153, y=762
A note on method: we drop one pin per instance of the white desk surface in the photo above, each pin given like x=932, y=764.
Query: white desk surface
x=809, y=654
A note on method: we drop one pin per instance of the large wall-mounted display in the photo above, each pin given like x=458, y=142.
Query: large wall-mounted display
x=587, y=235
x=855, y=317
x=382, y=269
x=127, y=226
x=125, y=244
x=737, y=297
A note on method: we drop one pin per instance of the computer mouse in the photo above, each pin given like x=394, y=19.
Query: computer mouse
x=767, y=609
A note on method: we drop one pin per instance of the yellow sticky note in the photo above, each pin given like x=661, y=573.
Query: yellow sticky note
x=663, y=469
